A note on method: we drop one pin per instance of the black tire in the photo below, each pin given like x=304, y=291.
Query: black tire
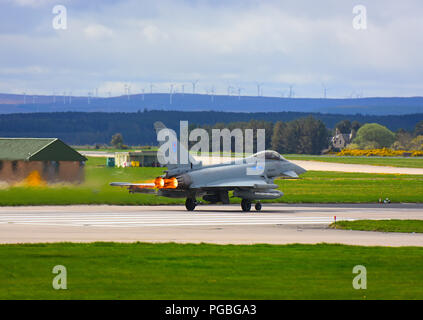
x=258, y=206
x=246, y=205
x=190, y=204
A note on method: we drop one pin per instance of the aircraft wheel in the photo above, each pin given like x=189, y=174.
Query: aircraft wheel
x=246, y=205
x=190, y=204
x=258, y=206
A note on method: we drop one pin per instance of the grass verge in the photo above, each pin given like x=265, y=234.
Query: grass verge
x=189, y=271
x=375, y=161
x=408, y=226
x=313, y=187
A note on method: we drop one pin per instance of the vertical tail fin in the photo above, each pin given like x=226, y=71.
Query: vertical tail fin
x=179, y=159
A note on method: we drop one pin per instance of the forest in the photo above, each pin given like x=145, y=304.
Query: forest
x=89, y=128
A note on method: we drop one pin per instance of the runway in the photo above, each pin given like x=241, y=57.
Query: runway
x=275, y=224
x=154, y=219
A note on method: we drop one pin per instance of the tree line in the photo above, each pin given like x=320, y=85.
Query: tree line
x=81, y=128
x=309, y=135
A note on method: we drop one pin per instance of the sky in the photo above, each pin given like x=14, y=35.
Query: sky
x=235, y=46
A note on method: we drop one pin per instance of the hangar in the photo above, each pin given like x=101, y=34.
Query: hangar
x=142, y=158
x=49, y=159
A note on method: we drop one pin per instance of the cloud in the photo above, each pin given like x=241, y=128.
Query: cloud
x=98, y=31
x=31, y=3
x=153, y=33
x=221, y=43
x=29, y=70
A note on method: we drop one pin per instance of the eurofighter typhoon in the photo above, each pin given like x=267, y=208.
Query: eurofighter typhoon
x=250, y=178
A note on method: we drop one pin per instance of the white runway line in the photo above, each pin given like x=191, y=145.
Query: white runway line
x=156, y=220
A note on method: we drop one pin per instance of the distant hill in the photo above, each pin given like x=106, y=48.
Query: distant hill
x=10, y=103
x=80, y=128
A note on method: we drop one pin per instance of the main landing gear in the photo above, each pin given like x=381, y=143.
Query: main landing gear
x=190, y=204
x=246, y=205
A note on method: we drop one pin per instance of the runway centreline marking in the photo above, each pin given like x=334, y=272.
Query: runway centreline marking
x=157, y=216
x=221, y=223
x=158, y=219
x=155, y=219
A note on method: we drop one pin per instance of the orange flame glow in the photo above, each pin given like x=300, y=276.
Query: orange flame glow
x=161, y=183
x=171, y=183
x=34, y=180
x=158, y=183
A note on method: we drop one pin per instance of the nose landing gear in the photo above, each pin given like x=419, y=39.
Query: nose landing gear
x=246, y=205
x=258, y=206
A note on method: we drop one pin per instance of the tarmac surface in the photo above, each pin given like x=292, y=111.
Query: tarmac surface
x=363, y=168
x=275, y=224
x=331, y=166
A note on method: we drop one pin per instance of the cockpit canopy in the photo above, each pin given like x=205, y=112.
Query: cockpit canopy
x=269, y=155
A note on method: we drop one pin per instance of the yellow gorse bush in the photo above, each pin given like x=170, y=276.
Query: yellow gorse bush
x=385, y=152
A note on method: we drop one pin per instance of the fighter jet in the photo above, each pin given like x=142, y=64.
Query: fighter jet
x=250, y=178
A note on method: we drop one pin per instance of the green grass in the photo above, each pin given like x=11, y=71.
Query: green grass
x=314, y=186
x=343, y=187
x=188, y=271
x=407, y=226
x=376, y=161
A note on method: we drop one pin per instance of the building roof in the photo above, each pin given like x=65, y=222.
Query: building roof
x=37, y=149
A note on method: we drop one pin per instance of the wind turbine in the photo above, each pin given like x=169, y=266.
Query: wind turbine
x=230, y=90
x=151, y=87
x=291, y=92
x=212, y=94
x=259, y=89
x=239, y=93
x=194, y=83
x=88, y=97
x=127, y=90
x=170, y=94
x=325, y=91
